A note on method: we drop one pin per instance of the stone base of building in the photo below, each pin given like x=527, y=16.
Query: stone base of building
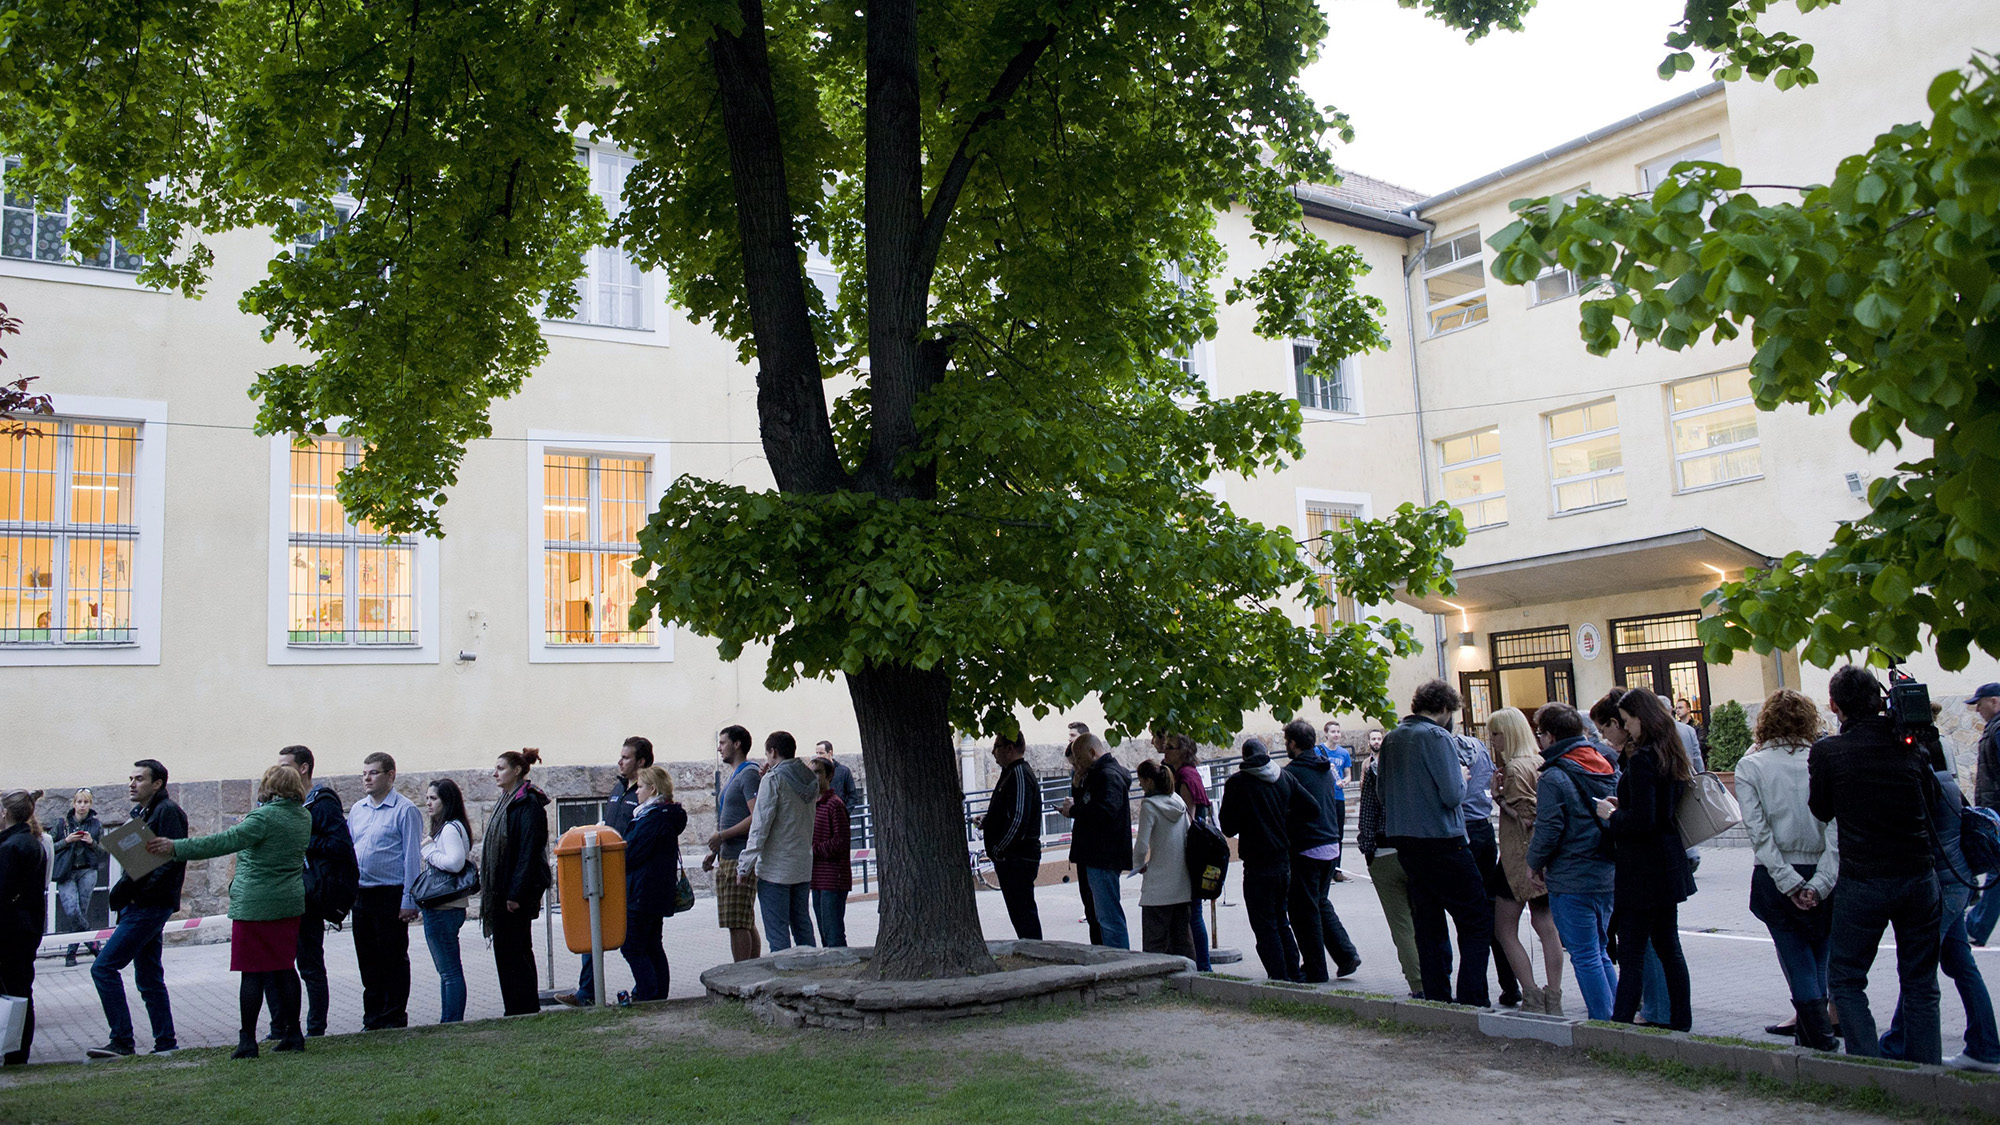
x=830, y=988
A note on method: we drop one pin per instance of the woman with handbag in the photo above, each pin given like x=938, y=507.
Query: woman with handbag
x=513, y=877
x=24, y=880
x=266, y=898
x=652, y=867
x=1650, y=867
x=75, y=873
x=444, y=889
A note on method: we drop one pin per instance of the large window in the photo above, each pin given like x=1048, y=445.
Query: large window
x=1654, y=173
x=349, y=583
x=1474, y=481
x=592, y=509
x=1715, y=430
x=69, y=530
x=614, y=292
x=1586, y=459
x=38, y=230
x=1455, y=283
x=1335, y=392
x=1324, y=522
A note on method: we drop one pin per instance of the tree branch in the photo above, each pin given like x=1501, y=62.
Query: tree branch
x=791, y=394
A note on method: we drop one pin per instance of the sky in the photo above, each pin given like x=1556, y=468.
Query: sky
x=1431, y=111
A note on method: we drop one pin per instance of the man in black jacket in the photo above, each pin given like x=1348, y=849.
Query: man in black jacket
x=1013, y=830
x=329, y=864
x=144, y=904
x=619, y=805
x=1101, y=839
x=1877, y=790
x=1257, y=807
x=1314, y=827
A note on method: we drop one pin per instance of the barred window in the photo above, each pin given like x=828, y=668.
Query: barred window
x=69, y=533
x=1324, y=522
x=350, y=584
x=592, y=509
x=1333, y=392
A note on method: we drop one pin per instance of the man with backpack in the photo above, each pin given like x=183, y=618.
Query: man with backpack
x=332, y=878
x=1567, y=850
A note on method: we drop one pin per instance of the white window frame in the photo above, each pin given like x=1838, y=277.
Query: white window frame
x=540, y=444
x=1554, y=443
x=1347, y=376
x=1431, y=307
x=1452, y=466
x=278, y=649
x=149, y=509
x=1652, y=172
x=69, y=273
x=1362, y=504
x=1535, y=299
x=655, y=296
x=1199, y=359
x=1681, y=459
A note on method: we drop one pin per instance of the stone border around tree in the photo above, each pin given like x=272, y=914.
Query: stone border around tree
x=779, y=990
x=1928, y=1086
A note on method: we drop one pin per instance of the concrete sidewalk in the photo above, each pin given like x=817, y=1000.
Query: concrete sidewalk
x=1737, y=986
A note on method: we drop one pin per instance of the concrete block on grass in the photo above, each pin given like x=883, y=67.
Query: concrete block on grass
x=1917, y=1085
x=1451, y=1017
x=1527, y=1025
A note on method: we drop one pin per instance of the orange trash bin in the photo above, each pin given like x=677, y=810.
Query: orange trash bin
x=569, y=888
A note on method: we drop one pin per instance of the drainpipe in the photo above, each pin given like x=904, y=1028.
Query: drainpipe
x=1410, y=266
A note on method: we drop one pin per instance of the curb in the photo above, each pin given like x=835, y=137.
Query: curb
x=1926, y=1086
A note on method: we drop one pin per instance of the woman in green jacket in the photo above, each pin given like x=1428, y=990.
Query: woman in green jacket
x=266, y=898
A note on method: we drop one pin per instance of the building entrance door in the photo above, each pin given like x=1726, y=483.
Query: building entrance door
x=1534, y=667
x=1662, y=654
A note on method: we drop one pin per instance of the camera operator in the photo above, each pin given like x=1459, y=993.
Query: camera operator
x=1877, y=787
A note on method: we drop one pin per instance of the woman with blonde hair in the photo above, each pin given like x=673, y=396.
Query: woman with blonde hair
x=1797, y=860
x=1514, y=788
x=652, y=870
x=75, y=875
x=266, y=898
x=24, y=880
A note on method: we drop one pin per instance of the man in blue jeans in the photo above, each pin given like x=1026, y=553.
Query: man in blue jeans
x=143, y=904
x=1566, y=850
x=1878, y=790
x=1101, y=839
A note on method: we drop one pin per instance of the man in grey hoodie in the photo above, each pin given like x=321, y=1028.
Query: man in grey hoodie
x=779, y=851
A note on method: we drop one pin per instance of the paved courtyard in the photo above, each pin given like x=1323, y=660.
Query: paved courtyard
x=1737, y=986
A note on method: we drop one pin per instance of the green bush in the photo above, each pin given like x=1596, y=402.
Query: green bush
x=1728, y=736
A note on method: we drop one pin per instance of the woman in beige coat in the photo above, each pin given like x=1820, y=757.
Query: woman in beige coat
x=1514, y=782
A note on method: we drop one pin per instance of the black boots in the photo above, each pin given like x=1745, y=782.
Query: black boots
x=292, y=1040
x=1815, y=1026
x=246, y=1045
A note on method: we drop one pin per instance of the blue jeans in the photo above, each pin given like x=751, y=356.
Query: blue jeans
x=646, y=954
x=1862, y=910
x=787, y=912
x=1583, y=923
x=1110, y=912
x=1985, y=913
x=1198, y=923
x=441, y=934
x=136, y=942
x=586, y=982
x=1653, y=1007
x=1803, y=938
x=830, y=907
x=1982, y=1040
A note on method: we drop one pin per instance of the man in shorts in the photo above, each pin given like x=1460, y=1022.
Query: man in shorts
x=734, y=802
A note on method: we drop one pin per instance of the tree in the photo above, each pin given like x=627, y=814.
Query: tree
x=1728, y=736
x=15, y=397
x=1007, y=511
x=1878, y=289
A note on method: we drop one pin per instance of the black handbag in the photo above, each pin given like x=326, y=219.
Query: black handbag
x=436, y=887
x=683, y=891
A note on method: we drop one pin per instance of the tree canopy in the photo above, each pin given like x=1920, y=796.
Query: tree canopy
x=1878, y=289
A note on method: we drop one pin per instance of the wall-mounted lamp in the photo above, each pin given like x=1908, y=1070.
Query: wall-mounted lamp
x=1465, y=640
x=467, y=657
x=1855, y=487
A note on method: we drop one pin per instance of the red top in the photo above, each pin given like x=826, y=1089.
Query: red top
x=831, y=840
x=1191, y=777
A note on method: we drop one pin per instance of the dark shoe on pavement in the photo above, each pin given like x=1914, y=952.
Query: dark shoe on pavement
x=111, y=1051
x=1785, y=1030
x=1814, y=1030
x=572, y=1000
x=1344, y=971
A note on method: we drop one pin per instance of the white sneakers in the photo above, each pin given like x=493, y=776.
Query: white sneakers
x=1967, y=1062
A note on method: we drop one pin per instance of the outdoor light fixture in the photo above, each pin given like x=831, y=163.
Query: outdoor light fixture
x=1465, y=641
x=1855, y=488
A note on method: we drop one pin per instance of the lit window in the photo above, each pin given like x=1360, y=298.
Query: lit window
x=349, y=583
x=1715, y=430
x=40, y=233
x=69, y=533
x=614, y=292
x=1333, y=392
x=1474, y=481
x=1586, y=461
x=592, y=510
x=1654, y=174
x=1323, y=522
x=1455, y=283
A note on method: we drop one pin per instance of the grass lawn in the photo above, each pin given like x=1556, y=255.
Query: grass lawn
x=671, y=1063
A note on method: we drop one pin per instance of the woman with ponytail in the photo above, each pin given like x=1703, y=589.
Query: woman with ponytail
x=513, y=876
x=24, y=882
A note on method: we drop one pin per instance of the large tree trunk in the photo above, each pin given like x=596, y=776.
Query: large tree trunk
x=929, y=922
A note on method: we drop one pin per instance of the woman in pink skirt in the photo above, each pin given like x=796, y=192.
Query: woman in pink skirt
x=265, y=900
